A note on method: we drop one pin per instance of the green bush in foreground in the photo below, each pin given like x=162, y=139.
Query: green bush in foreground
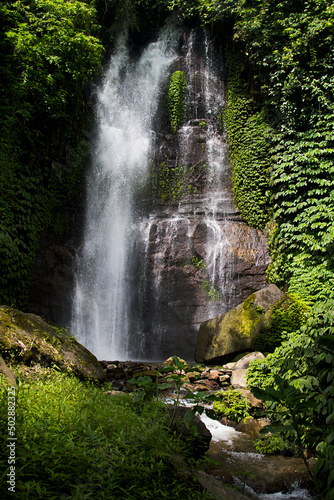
x=76, y=442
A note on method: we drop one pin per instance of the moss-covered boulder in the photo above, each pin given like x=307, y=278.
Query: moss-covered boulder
x=28, y=339
x=220, y=338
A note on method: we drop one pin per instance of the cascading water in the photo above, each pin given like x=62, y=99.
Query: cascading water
x=126, y=103
x=150, y=270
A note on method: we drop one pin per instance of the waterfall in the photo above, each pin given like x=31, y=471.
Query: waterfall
x=150, y=270
x=126, y=103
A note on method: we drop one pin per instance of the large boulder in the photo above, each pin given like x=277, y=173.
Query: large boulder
x=220, y=338
x=30, y=340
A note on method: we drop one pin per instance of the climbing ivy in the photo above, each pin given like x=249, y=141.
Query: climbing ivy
x=176, y=100
x=247, y=133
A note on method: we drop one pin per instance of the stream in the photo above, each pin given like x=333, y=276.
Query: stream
x=271, y=477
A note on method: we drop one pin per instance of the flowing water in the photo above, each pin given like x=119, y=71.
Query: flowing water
x=237, y=462
x=126, y=103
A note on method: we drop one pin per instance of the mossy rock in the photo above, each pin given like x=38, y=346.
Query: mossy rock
x=220, y=338
x=28, y=339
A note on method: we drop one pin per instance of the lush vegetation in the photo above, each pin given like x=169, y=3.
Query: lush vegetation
x=232, y=405
x=288, y=316
x=74, y=441
x=297, y=383
x=247, y=132
x=49, y=51
x=176, y=100
x=280, y=123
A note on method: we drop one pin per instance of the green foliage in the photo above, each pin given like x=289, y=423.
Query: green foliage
x=232, y=405
x=313, y=281
x=171, y=376
x=290, y=53
x=211, y=292
x=75, y=441
x=288, y=316
x=297, y=383
x=206, y=11
x=176, y=100
x=53, y=44
x=49, y=51
x=280, y=121
x=247, y=133
x=269, y=444
x=197, y=262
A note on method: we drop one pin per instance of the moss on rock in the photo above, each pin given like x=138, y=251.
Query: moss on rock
x=28, y=339
x=236, y=331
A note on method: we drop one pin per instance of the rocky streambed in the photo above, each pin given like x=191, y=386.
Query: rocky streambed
x=234, y=459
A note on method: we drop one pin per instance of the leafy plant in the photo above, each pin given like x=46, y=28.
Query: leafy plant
x=232, y=405
x=288, y=315
x=297, y=383
x=174, y=183
x=176, y=100
x=212, y=293
x=269, y=444
x=146, y=389
x=49, y=51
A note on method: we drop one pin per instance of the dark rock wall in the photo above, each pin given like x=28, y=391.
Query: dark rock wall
x=200, y=259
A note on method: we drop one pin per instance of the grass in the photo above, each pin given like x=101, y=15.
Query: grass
x=76, y=442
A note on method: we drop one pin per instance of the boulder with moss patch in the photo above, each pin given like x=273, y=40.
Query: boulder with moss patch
x=28, y=339
x=220, y=338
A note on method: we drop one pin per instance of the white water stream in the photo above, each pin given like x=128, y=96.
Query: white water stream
x=126, y=103
x=230, y=442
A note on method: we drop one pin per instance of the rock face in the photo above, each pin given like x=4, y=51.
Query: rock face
x=31, y=340
x=200, y=258
x=236, y=330
x=193, y=257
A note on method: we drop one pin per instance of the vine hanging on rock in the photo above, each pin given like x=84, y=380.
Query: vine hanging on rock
x=176, y=100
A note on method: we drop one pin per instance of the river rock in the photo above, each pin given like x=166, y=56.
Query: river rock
x=216, y=487
x=245, y=361
x=251, y=398
x=198, y=443
x=7, y=372
x=239, y=378
x=220, y=338
x=33, y=341
x=252, y=426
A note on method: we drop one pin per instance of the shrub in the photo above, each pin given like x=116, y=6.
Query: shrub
x=232, y=405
